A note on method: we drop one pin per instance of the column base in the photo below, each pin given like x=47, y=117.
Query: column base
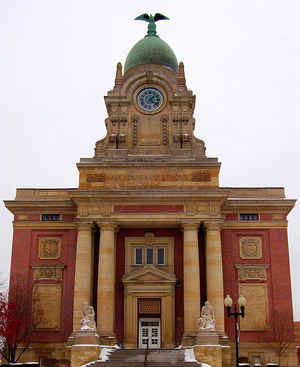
x=90, y=337
x=108, y=339
x=85, y=347
x=207, y=337
x=83, y=354
x=209, y=354
x=188, y=340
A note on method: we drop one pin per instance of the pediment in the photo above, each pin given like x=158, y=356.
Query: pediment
x=149, y=274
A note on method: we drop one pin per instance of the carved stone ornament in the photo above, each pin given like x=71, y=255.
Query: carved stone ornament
x=165, y=133
x=252, y=272
x=106, y=210
x=191, y=208
x=47, y=272
x=149, y=238
x=149, y=76
x=103, y=209
x=250, y=248
x=119, y=76
x=214, y=207
x=196, y=207
x=49, y=247
x=88, y=317
x=207, y=317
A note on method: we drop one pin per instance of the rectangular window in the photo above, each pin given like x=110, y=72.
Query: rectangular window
x=139, y=256
x=160, y=256
x=50, y=217
x=149, y=256
x=249, y=216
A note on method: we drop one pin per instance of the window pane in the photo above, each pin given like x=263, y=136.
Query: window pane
x=149, y=256
x=139, y=256
x=160, y=256
x=249, y=216
x=50, y=217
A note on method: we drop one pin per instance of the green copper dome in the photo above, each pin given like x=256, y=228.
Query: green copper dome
x=151, y=50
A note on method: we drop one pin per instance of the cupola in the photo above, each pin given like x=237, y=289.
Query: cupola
x=151, y=49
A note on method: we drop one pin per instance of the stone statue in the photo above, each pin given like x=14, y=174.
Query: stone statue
x=88, y=320
x=207, y=317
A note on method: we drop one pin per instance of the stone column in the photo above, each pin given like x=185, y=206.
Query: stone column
x=83, y=271
x=106, y=283
x=131, y=325
x=191, y=279
x=214, y=272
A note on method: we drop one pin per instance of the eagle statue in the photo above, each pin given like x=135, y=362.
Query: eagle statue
x=151, y=20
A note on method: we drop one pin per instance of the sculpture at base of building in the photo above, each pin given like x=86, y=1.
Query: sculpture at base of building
x=87, y=332
x=207, y=318
x=88, y=320
x=207, y=334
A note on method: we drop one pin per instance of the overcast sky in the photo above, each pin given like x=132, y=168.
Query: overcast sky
x=242, y=60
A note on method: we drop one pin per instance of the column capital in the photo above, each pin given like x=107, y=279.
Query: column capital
x=108, y=226
x=190, y=225
x=84, y=226
x=212, y=226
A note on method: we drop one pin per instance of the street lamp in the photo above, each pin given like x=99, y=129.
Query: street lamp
x=228, y=304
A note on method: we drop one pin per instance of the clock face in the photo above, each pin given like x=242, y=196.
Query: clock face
x=149, y=99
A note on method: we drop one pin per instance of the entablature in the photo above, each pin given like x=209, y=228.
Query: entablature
x=258, y=205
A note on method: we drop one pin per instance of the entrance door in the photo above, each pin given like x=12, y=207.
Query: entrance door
x=149, y=333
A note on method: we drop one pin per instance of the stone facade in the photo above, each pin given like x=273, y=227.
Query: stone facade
x=150, y=223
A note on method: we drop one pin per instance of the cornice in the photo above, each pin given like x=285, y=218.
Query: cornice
x=258, y=202
x=151, y=196
x=147, y=162
x=250, y=225
x=44, y=225
x=254, y=266
x=35, y=206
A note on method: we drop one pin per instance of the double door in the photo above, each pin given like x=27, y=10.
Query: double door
x=149, y=333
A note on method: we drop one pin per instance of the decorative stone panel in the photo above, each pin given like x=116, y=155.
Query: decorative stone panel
x=256, y=311
x=46, y=306
x=252, y=272
x=149, y=306
x=250, y=248
x=49, y=248
x=196, y=207
x=48, y=272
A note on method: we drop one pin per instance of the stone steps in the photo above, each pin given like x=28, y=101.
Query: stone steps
x=155, y=358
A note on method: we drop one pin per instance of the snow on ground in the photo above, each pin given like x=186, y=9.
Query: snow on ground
x=105, y=353
x=189, y=355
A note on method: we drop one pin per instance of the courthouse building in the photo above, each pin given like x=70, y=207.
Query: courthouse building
x=150, y=235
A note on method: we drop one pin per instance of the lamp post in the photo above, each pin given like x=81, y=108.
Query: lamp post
x=228, y=304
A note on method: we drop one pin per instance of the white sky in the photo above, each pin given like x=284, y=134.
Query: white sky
x=58, y=59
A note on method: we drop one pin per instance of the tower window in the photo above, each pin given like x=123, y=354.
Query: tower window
x=149, y=256
x=139, y=256
x=50, y=217
x=160, y=256
x=249, y=216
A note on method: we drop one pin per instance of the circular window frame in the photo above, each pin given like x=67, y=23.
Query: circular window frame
x=163, y=105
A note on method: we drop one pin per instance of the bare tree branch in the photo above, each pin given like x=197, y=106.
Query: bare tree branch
x=15, y=321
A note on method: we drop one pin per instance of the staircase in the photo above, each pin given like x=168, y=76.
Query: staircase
x=144, y=358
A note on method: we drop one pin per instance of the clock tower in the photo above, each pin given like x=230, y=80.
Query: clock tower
x=150, y=162
x=150, y=110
